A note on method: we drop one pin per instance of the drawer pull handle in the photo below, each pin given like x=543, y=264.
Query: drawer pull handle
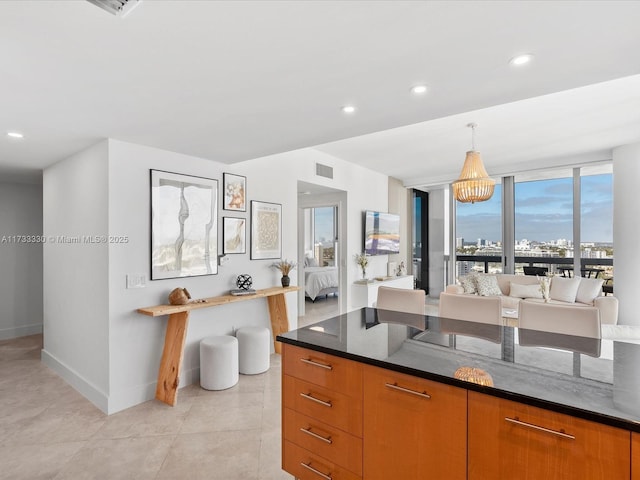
x=317, y=472
x=315, y=435
x=395, y=386
x=308, y=396
x=316, y=364
x=537, y=427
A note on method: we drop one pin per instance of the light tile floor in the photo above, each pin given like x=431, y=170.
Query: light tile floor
x=49, y=431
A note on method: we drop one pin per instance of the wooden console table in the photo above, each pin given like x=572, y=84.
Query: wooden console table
x=176, y=332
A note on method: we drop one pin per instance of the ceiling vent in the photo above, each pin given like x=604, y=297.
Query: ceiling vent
x=119, y=8
x=324, y=170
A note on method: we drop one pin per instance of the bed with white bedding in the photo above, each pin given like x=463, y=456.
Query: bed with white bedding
x=319, y=281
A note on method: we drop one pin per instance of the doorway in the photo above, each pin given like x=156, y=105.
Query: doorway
x=321, y=245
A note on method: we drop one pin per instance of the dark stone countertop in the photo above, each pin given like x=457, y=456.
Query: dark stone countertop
x=594, y=379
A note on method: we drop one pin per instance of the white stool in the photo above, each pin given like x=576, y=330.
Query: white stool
x=255, y=351
x=218, y=362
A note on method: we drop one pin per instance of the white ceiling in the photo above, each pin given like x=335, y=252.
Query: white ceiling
x=231, y=81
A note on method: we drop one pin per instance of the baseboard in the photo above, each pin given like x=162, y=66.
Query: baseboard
x=84, y=387
x=23, y=331
x=131, y=397
x=117, y=401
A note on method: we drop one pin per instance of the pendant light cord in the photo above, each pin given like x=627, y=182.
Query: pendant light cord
x=473, y=126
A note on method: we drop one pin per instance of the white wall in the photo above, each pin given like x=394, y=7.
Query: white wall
x=20, y=261
x=93, y=335
x=135, y=340
x=626, y=231
x=366, y=190
x=76, y=342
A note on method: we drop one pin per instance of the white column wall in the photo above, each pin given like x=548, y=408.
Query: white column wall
x=76, y=291
x=20, y=261
x=626, y=231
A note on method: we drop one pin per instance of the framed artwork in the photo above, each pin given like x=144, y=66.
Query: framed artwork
x=266, y=226
x=234, y=234
x=235, y=192
x=184, y=225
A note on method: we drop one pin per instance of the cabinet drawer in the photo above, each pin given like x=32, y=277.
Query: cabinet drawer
x=335, y=373
x=323, y=404
x=324, y=440
x=305, y=465
x=414, y=428
x=507, y=437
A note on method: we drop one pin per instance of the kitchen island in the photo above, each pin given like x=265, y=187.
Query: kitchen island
x=376, y=394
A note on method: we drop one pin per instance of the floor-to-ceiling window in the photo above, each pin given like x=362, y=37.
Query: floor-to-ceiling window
x=479, y=235
x=552, y=230
x=544, y=224
x=596, y=222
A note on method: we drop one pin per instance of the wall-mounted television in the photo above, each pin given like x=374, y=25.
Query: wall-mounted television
x=381, y=233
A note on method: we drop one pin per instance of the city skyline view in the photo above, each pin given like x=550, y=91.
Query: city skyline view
x=543, y=212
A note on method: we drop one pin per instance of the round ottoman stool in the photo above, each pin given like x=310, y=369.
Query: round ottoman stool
x=254, y=344
x=218, y=362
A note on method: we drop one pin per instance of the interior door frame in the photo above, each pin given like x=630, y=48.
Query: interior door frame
x=333, y=199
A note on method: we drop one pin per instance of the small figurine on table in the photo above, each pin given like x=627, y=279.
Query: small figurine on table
x=401, y=270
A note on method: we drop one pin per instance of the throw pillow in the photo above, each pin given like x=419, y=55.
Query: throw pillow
x=589, y=289
x=525, y=291
x=564, y=289
x=488, y=285
x=468, y=283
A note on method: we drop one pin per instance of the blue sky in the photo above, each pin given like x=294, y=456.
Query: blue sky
x=544, y=211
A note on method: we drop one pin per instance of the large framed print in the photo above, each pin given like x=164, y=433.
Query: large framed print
x=184, y=225
x=234, y=190
x=266, y=226
x=234, y=234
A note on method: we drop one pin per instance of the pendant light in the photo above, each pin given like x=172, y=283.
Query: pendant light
x=474, y=184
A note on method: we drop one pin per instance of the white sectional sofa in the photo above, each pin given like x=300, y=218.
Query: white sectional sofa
x=512, y=289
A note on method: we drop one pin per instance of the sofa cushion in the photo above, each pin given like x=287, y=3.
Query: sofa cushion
x=525, y=291
x=506, y=279
x=510, y=302
x=469, y=284
x=487, y=285
x=564, y=289
x=589, y=289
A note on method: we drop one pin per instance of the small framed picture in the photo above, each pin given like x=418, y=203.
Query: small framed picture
x=235, y=192
x=266, y=226
x=234, y=234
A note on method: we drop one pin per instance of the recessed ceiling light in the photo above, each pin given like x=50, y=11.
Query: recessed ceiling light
x=348, y=109
x=521, y=59
x=419, y=89
x=15, y=135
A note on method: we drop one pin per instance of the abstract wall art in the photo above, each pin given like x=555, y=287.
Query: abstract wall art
x=266, y=226
x=184, y=225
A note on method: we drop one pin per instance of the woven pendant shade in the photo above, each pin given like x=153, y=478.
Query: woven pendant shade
x=474, y=184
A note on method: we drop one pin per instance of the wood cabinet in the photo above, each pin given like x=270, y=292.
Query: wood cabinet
x=344, y=420
x=635, y=456
x=321, y=415
x=510, y=440
x=413, y=428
